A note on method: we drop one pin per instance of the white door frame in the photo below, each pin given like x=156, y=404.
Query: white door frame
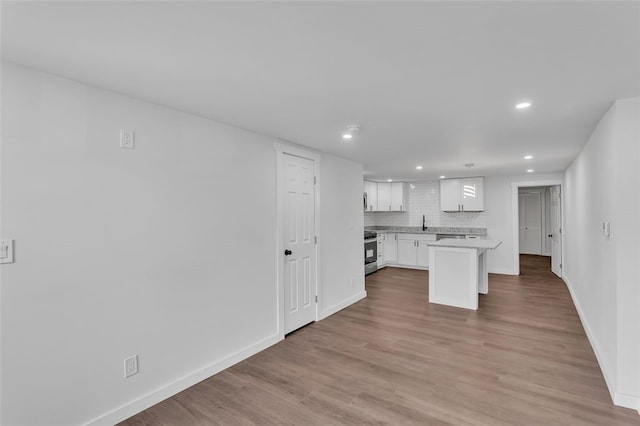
x=515, y=219
x=281, y=149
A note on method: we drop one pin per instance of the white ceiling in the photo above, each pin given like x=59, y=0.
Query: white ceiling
x=431, y=83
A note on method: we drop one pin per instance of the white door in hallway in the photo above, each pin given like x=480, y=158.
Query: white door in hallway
x=530, y=216
x=299, y=242
x=556, y=231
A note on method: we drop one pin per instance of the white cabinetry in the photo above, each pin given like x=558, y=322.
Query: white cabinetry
x=422, y=251
x=384, y=196
x=399, y=196
x=392, y=196
x=406, y=250
x=371, y=192
x=458, y=195
x=381, y=258
x=391, y=248
x=413, y=249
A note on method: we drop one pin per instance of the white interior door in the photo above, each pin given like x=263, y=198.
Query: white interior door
x=299, y=243
x=530, y=215
x=556, y=231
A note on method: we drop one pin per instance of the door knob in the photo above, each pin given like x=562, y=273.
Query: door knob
x=287, y=252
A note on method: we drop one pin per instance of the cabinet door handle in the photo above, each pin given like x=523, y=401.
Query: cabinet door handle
x=288, y=252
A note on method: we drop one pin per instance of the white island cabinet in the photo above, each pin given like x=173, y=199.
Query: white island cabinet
x=458, y=271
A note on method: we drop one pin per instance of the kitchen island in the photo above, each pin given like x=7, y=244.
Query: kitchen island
x=458, y=271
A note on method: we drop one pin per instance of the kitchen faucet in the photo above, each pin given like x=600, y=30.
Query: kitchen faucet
x=424, y=223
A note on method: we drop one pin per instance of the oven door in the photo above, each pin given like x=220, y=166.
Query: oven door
x=370, y=256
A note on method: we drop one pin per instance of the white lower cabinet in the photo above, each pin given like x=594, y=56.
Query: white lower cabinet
x=391, y=248
x=413, y=249
x=406, y=251
x=423, y=253
x=381, y=241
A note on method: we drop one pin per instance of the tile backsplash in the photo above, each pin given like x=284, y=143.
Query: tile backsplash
x=424, y=198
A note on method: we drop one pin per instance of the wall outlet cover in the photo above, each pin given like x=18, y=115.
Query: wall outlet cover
x=126, y=138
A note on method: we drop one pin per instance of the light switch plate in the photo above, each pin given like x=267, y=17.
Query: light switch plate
x=606, y=229
x=130, y=366
x=6, y=251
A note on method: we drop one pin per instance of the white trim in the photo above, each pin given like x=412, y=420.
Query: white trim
x=397, y=265
x=129, y=409
x=341, y=305
x=627, y=401
x=297, y=151
x=501, y=271
x=281, y=149
x=515, y=218
x=608, y=377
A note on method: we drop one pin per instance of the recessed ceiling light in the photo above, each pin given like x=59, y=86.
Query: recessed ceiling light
x=389, y=180
x=523, y=105
x=442, y=177
x=469, y=165
x=352, y=129
x=528, y=157
x=530, y=171
x=418, y=167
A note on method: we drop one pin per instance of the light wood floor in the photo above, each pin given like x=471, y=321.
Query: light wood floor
x=521, y=359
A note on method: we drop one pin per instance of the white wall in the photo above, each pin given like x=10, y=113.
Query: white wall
x=500, y=221
x=601, y=272
x=144, y=251
x=342, y=269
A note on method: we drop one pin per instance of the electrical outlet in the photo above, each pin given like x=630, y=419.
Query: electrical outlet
x=130, y=366
x=126, y=139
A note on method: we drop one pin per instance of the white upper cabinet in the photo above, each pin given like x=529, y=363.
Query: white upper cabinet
x=473, y=194
x=457, y=195
x=450, y=195
x=371, y=192
x=384, y=196
x=399, y=196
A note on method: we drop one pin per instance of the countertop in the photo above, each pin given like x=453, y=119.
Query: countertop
x=472, y=244
x=429, y=230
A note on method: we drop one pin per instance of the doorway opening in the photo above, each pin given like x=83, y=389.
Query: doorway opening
x=537, y=218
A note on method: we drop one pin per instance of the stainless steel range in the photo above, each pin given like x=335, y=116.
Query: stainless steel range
x=370, y=252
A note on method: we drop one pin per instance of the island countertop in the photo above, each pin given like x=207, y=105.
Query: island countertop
x=471, y=244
